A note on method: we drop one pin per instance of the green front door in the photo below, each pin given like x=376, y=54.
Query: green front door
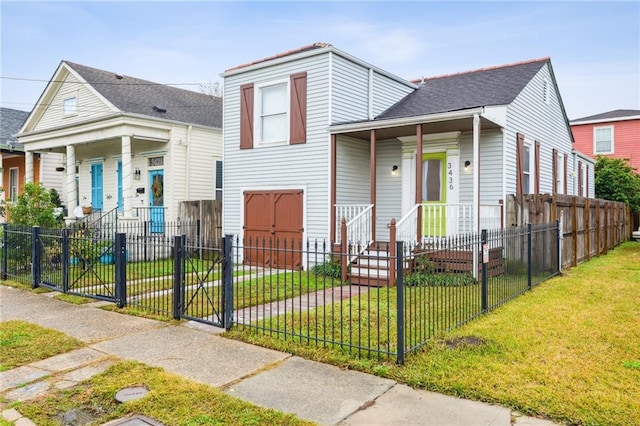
x=434, y=194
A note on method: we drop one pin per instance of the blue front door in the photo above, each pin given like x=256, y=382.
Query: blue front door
x=120, y=199
x=96, y=186
x=156, y=201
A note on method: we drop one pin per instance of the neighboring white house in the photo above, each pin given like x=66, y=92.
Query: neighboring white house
x=131, y=146
x=315, y=135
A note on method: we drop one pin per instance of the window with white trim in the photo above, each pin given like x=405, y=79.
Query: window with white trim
x=272, y=113
x=527, y=172
x=70, y=106
x=14, y=174
x=560, y=173
x=603, y=140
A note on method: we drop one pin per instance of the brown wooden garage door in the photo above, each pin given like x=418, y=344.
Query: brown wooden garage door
x=273, y=228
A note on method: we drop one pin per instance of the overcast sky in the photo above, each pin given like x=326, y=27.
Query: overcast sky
x=594, y=46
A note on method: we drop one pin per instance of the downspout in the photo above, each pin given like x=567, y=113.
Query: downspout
x=188, y=143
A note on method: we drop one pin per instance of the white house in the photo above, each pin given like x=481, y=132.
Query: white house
x=131, y=146
x=315, y=135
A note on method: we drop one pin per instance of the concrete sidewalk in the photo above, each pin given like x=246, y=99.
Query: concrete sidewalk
x=318, y=392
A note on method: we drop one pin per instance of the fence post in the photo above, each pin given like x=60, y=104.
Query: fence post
x=227, y=283
x=65, y=260
x=36, y=254
x=5, y=251
x=400, y=300
x=120, y=258
x=558, y=247
x=484, y=246
x=393, y=252
x=529, y=227
x=178, y=253
x=344, y=255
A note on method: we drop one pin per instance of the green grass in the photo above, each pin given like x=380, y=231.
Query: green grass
x=23, y=343
x=172, y=400
x=567, y=350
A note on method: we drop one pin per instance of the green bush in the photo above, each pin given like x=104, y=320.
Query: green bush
x=331, y=269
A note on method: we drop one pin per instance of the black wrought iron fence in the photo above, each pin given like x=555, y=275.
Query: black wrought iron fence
x=381, y=301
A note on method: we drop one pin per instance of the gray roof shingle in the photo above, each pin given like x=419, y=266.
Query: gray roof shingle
x=618, y=113
x=133, y=95
x=11, y=120
x=490, y=86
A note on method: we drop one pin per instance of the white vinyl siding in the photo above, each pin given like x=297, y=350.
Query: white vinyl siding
x=350, y=92
x=50, y=178
x=387, y=92
x=89, y=105
x=530, y=115
x=388, y=186
x=352, y=175
x=490, y=167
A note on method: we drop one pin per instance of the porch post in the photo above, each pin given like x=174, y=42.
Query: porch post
x=476, y=173
x=127, y=177
x=28, y=164
x=372, y=178
x=72, y=190
x=333, y=197
x=419, y=177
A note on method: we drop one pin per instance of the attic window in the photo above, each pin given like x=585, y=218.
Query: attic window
x=158, y=108
x=70, y=106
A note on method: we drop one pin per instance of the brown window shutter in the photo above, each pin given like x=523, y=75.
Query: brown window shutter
x=519, y=162
x=537, y=182
x=246, y=116
x=554, y=170
x=579, y=179
x=298, y=112
x=566, y=173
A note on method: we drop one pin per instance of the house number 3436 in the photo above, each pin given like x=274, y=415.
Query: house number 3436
x=450, y=175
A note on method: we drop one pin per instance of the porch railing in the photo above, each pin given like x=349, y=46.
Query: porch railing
x=350, y=212
x=442, y=220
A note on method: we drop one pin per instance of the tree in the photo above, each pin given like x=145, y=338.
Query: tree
x=616, y=180
x=34, y=207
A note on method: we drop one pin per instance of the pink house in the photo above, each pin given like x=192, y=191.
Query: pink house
x=614, y=134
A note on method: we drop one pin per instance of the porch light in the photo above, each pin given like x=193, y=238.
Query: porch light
x=467, y=164
x=136, y=174
x=394, y=170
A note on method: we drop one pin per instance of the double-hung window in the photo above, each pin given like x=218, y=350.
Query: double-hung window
x=273, y=113
x=603, y=140
x=218, y=179
x=560, y=172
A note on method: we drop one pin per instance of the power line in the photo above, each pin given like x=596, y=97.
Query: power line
x=92, y=83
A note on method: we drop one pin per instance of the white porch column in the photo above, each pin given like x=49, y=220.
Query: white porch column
x=127, y=177
x=408, y=179
x=476, y=173
x=72, y=190
x=28, y=160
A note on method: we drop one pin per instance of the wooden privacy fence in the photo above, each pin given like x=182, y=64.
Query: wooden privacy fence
x=208, y=213
x=590, y=227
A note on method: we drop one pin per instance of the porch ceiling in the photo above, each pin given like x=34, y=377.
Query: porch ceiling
x=460, y=125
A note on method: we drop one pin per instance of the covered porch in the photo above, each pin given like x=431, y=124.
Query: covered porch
x=436, y=176
x=108, y=165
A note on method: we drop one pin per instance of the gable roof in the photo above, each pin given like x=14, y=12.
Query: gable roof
x=137, y=96
x=11, y=121
x=454, y=92
x=618, y=114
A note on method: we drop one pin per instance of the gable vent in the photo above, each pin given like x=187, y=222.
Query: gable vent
x=158, y=108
